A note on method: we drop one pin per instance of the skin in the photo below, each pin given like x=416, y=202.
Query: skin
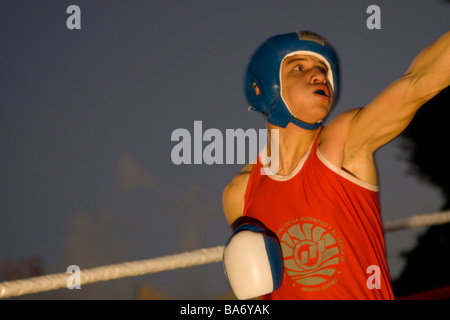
x=350, y=140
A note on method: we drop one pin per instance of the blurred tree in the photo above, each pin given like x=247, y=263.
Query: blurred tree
x=26, y=267
x=426, y=141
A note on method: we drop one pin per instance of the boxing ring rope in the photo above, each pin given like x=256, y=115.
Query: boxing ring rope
x=114, y=271
x=423, y=220
x=170, y=262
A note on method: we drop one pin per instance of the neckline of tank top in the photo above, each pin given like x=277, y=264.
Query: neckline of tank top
x=279, y=177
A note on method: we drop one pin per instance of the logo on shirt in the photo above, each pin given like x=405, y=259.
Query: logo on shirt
x=312, y=251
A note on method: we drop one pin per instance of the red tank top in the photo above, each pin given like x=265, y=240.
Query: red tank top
x=329, y=227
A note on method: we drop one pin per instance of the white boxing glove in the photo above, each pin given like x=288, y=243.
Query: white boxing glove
x=253, y=260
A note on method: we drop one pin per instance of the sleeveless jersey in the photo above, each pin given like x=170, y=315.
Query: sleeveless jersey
x=329, y=227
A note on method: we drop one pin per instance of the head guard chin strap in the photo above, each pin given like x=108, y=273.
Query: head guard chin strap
x=264, y=69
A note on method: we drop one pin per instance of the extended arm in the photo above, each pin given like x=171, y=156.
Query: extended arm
x=391, y=112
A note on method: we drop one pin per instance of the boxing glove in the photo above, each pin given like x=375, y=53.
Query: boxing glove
x=253, y=260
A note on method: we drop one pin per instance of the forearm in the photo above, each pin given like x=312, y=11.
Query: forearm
x=390, y=112
x=430, y=70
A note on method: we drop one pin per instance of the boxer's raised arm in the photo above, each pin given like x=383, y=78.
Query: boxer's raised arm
x=390, y=113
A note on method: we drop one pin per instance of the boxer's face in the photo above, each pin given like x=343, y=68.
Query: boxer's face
x=305, y=88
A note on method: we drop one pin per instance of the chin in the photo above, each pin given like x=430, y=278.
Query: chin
x=315, y=113
x=320, y=113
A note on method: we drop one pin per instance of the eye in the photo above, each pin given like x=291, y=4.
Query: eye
x=323, y=70
x=298, y=67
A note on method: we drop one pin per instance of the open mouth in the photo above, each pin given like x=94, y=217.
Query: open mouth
x=321, y=92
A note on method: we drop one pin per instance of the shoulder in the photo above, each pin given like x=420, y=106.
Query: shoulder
x=234, y=193
x=336, y=133
x=341, y=145
x=343, y=121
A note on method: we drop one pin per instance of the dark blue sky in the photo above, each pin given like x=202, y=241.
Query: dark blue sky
x=86, y=118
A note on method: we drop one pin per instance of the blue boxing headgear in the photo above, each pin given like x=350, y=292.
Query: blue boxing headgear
x=264, y=68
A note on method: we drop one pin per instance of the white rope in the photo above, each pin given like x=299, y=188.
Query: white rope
x=110, y=272
x=171, y=262
x=423, y=220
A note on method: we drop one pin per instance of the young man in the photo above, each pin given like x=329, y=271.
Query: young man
x=322, y=203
